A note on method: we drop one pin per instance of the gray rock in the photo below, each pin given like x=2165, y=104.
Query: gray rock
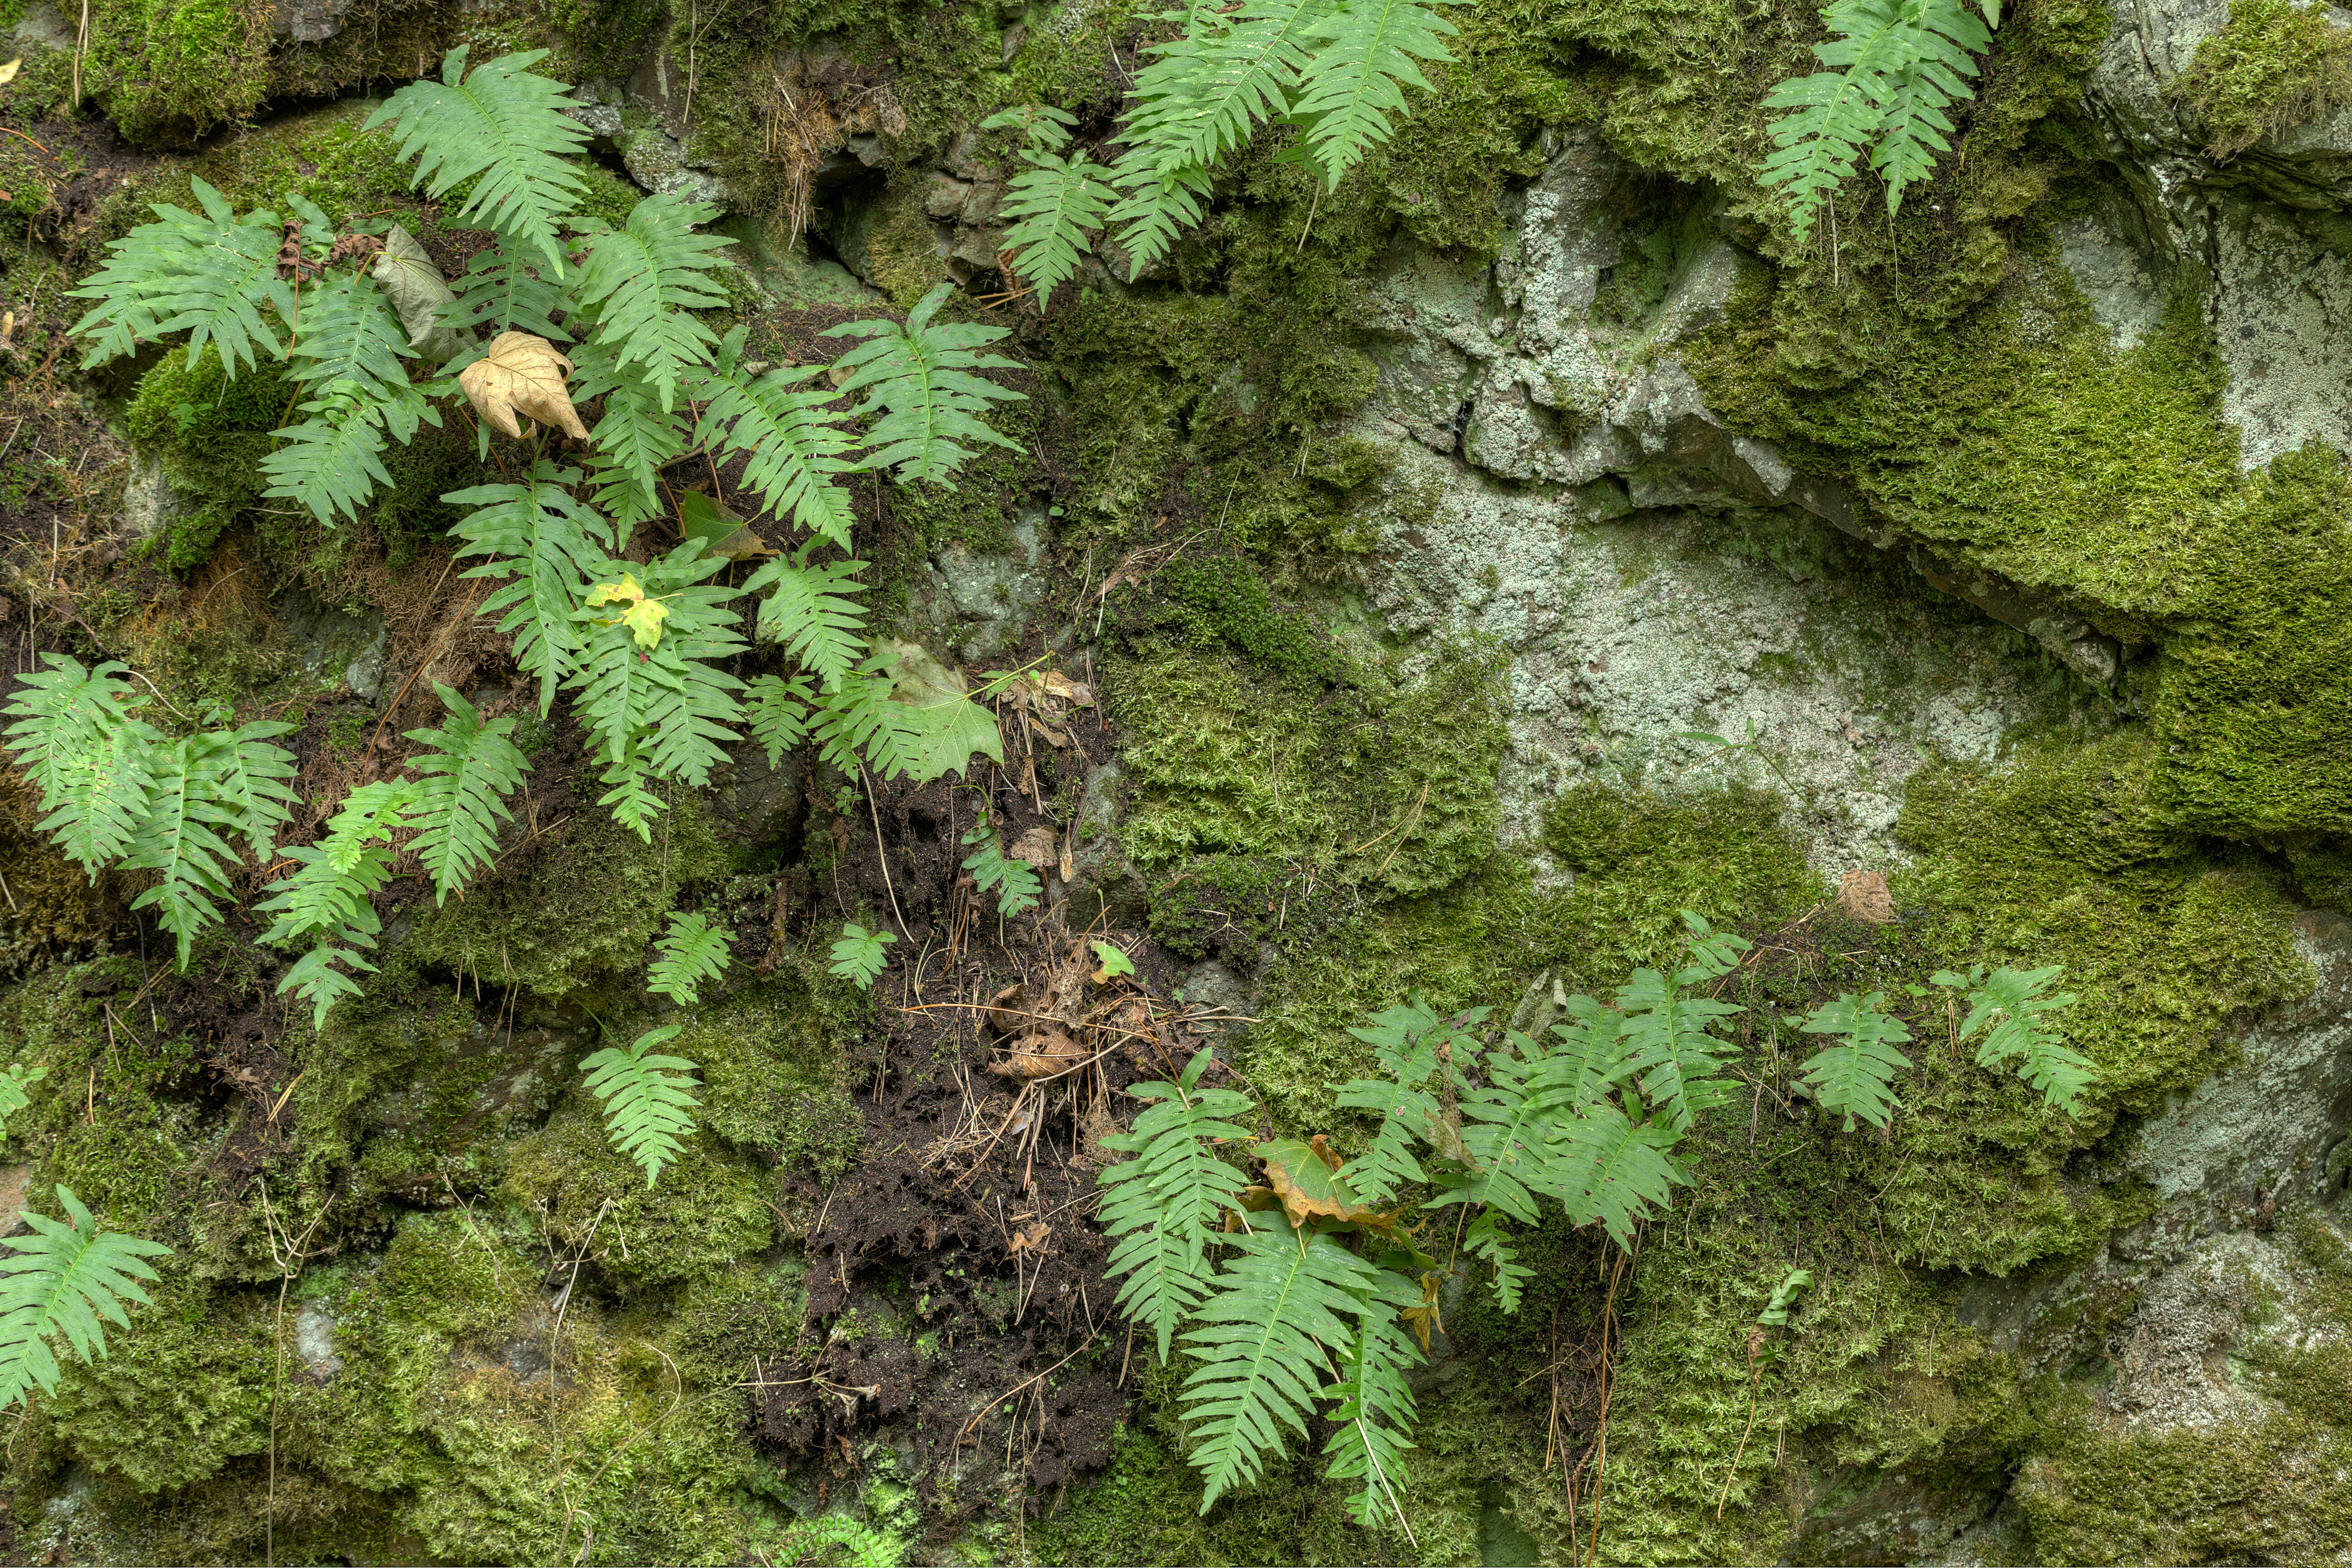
x=982, y=601
x=344, y=649
x=307, y=21
x=151, y=505
x=314, y=1342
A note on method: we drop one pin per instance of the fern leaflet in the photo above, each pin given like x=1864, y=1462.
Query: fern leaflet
x=1057, y=202
x=470, y=769
x=809, y=610
x=635, y=439
x=1666, y=1031
x=1607, y=1166
x=64, y=1278
x=327, y=902
x=648, y=1098
x=2014, y=1004
x=347, y=334
x=76, y=737
x=195, y=801
x=644, y=281
x=794, y=441
x=535, y=534
x=1013, y=882
x=694, y=951
x=332, y=464
x=1350, y=85
x=779, y=711
x=1376, y=1410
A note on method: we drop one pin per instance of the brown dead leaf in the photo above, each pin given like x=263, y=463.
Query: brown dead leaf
x=1031, y=1238
x=1036, y=848
x=1077, y=694
x=1039, y=1053
x=1864, y=895
x=522, y=374
x=1008, y=1010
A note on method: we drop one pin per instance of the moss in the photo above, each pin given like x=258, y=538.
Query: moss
x=173, y=69
x=2275, y=65
x=209, y=433
x=771, y=1070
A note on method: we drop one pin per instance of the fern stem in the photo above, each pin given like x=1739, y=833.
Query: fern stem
x=881, y=854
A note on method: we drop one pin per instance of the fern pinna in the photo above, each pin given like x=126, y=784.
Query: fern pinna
x=1302, y=1292
x=70, y=1278
x=648, y=1098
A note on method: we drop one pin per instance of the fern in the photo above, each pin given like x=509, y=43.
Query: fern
x=75, y=737
x=866, y=1546
x=809, y=610
x=1204, y=93
x=1613, y=1169
x=694, y=951
x=213, y=277
x=1056, y=203
x=14, y=1082
x=640, y=282
x=919, y=379
x=1592, y=1058
x=861, y=719
x=1486, y=1238
x=795, y=449
x=1281, y=1296
x=548, y=543
x=1161, y=1205
x=1376, y=1410
x=1156, y=205
x=1895, y=66
x=634, y=437
x=1405, y=1039
x=1853, y=1080
x=326, y=906
x=779, y=712
x=2012, y=1008
x=67, y=1278
x=349, y=335
x=503, y=291
x=648, y=1098
x=858, y=955
x=204, y=790
x=1665, y=1030
x=500, y=133
x=662, y=712
x=1013, y=882
x=1367, y=47
x=470, y=769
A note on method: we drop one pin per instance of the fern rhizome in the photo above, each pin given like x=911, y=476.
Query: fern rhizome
x=1300, y=1284
x=561, y=315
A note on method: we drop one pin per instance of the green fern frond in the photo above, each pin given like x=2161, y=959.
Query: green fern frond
x=1057, y=204
x=346, y=331
x=2012, y=1007
x=858, y=956
x=667, y=712
x=326, y=906
x=1854, y=1078
x=648, y=1098
x=1592, y=1058
x=332, y=464
x=779, y=709
x=1666, y=1030
x=634, y=439
x=1156, y=205
x=797, y=452
x=1161, y=1204
x=1893, y=66
x=504, y=290
x=1508, y=1126
x=468, y=770
x=1281, y=1296
x=643, y=283
x=1486, y=1238
x=65, y=1279
x=919, y=379
x=1013, y=882
x=1606, y=1166
x=1356, y=78
x=809, y=610
x=1202, y=95
x=204, y=790
x=501, y=133
x=14, y=1081
x=1406, y=1039
x=77, y=739
x=535, y=534
x=866, y=1546
x=694, y=951
x=213, y=277
x=1376, y=1413
x=861, y=718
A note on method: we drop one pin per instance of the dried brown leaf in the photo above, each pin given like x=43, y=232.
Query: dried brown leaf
x=1864, y=895
x=521, y=375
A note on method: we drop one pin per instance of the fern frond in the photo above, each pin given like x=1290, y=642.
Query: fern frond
x=65, y=1279
x=328, y=904
x=14, y=1082
x=667, y=712
x=213, y=277
x=1161, y=1204
x=1592, y=1056
x=797, y=452
x=861, y=718
x=1606, y=1166
x=1281, y=1296
x=1352, y=83
x=535, y=534
x=779, y=712
x=2013, y=1008
x=1376, y=1411
x=858, y=956
x=648, y=1098
x=1156, y=205
x=1486, y=1238
x=694, y=951
x=1013, y=882
x=1057, y=205
x=504, y=290
x=1853, y=1080
x=1405, y=1039
x=330, y=464
x=346, y=331
x=201, y=792
x=809, y=610
x=635, y=439
x=1665, y=1030
x=503, y=129
x=1508, y=1128
x=919, y=379
x=643, y=283
x=1202, y=95
x=470, y=769
x=75, y=737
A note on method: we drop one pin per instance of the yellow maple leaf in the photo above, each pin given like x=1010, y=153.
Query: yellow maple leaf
x=644, y=616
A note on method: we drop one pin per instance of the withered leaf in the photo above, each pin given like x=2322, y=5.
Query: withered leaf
x=1306, y=1175
x=1864, y=895
x=522, y=374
